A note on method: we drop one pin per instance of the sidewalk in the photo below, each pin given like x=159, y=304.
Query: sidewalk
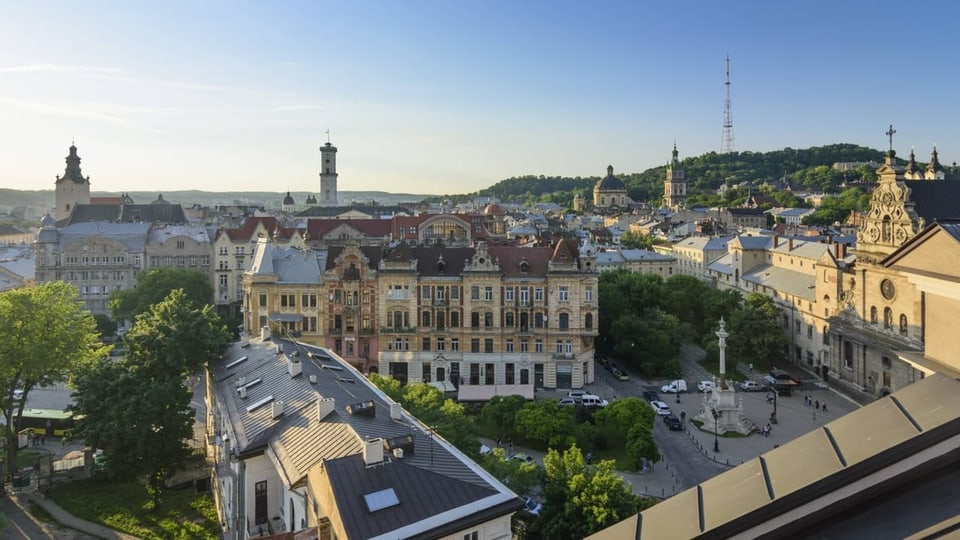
x=66, y=519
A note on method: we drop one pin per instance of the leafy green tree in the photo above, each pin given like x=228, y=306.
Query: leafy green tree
x=389, y=385
x=547, y=422
x=105, y=325
x=636, y=240
x=581, y=499
x=154, y=285
x=755, y=333
x=500, y=413
x=519, y=476
x=44, y=335
x=641, y=445
x=137, y=409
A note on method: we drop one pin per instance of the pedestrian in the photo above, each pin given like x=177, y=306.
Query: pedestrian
x=824, y=406
x=589, y=457
x=683, y=416
x=509, y=446
x=769, y=397
x=816, y=404
x=498, y=441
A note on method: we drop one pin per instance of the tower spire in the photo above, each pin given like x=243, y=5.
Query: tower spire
x=726, y=142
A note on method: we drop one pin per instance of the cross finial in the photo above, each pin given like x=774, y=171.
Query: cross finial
x=328, y=135
x=889, y=134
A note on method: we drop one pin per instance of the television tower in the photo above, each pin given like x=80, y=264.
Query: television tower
x=726, y=143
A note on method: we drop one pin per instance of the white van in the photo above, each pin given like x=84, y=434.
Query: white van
x=590, y=400
x=674, y=387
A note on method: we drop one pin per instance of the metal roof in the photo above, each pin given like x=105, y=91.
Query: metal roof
x=792, y=282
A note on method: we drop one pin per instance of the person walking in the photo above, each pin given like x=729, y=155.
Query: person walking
x=816, y=404
x=824, y=407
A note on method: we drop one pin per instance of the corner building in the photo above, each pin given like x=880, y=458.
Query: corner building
x=488, y=320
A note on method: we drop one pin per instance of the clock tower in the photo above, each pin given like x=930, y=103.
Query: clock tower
x=72, y=188
x=675, y=186
x=328, y=174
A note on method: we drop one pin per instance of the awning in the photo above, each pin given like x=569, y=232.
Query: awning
x=287, y=317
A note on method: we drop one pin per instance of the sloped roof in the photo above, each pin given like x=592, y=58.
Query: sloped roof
x=804, y=484
x=799, y=284
x=935, y=199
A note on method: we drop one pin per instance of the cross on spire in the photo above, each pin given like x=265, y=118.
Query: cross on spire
x=328, y=135
x=889, y=135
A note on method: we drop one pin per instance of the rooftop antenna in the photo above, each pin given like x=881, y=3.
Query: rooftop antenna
x=328, y=135
x=726, y=142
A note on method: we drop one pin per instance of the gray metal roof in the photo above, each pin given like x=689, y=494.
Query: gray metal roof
x=301, y=440
x=132, y=236
x=799, y=284
x=163, y=233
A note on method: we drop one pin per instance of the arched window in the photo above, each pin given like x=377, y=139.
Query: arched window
x=887, y=318
x=588, y=321
x=564, y=321
x=873, y=314
x=903, y=324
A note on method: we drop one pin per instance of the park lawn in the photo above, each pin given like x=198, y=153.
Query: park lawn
x=182, y=514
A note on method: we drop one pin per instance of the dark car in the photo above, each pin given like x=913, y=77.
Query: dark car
x=651, y=395
x=672, y=422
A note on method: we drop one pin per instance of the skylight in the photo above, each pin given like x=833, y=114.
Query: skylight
x=378, y=500
x=260, y=403
x=235, y=362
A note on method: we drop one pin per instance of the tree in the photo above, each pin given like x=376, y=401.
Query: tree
x=755, y=333
x=137, y=409
x=500, y=413
x=154, y=285
x=105, y=325
x=581, y=499
x=546, y=422
x=44, y=334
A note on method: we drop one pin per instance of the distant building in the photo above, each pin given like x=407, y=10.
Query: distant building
x=328, y=175
x=72, y=188
x=610, y=193
x=675, y=185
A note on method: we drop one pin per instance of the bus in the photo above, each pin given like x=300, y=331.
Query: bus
x=50, y=422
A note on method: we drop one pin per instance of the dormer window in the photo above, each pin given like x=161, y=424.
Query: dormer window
x=524, y=267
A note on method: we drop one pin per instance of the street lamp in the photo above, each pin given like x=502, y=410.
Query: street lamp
x=716, y=429
x=773, y=416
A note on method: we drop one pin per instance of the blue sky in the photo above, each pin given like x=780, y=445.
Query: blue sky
x=452, y=96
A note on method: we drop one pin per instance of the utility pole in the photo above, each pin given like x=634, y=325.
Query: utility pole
x=726, y=142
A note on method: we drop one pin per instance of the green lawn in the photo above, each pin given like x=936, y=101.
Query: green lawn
x=183, y=514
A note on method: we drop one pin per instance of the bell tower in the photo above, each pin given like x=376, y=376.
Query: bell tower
x=674, y=185
x=72, y=188
x=328, y=174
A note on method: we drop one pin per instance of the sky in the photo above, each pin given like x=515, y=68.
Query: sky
x=451, y=96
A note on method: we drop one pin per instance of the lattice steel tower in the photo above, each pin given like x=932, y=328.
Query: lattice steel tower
x=726, y=142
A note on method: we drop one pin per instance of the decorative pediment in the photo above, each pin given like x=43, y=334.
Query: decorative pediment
x=482, y=261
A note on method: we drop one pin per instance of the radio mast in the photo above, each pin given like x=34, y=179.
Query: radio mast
x=726, y=142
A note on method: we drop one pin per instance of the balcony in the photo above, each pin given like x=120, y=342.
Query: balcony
x=335, y=331
x=440, y=302
x=564, y=356
x=391, y=330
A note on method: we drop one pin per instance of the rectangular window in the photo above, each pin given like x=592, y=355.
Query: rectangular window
x=454, y=293
x=474, y=292
x=488, y=294
x=425, y=318
x=559, y=346
x=475, y=345
x=488, y=345
x=524, y=297
x=260, y=502
x=564, y=294
x=263, y=300
x=538, y=345
x=568, y=346
x=180, y=244
x=454, y=344
x=425, y=344
x=809, y=331
x=509, y=374
x=441, y=344
x=223, y=280
x=425, y=292
x=538, y=294
x=488, y=319
x=508, y=294
x=588, y=294
x=524, y=345
x=474, y=319
x=509, y=345
x=204, y=260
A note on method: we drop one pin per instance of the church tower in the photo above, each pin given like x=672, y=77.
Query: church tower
x=675, y=186
x=72, y=188
x=892, y=219
x=328, y=174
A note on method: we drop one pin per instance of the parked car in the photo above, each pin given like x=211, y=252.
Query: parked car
x=568, y=401
x=672, y=422
x=577, y=394
x=17, y=394
x=590, y=400
x=751, y=386
x=484, y=449
x=660, y=407
x=705, y=386
x=531, y=506
x=674, y=387
x=650, y=395
x=521, y=457
x=620, y=375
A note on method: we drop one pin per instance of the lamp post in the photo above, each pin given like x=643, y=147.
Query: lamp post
x=678, y=387
x=716, y=429
x=773, y=416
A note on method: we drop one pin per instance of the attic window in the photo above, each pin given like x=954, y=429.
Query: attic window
x=524, y=266
x=378, y=500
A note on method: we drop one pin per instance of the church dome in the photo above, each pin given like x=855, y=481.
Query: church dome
x=611, y=182
x=48, y=222
x=160, y=200
x=288, y=200
x=493, y=209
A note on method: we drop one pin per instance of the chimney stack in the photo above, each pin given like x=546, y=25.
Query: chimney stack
x=790, y=244
x=265, y=333
x=294, y=367
x=395, y=411
x=373, y=452
x=324, y=407
x=276, y=408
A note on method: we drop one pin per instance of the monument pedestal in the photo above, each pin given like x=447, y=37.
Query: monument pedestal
x=729, y=409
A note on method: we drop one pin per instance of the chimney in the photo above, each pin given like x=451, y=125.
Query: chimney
x=313, y=379
x=324, y=407
x=276, y=409
x=294, y=367
x=265, y=333
x=776, y=241
x=398, y=453
x=243, y=392
x=790, y=244
x=372, y=452
x=395, y=410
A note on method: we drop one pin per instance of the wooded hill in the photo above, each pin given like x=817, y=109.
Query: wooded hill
x=811, y=168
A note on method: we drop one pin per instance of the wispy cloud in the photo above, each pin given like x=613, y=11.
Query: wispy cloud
x=57, y=68
x=86, y=111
